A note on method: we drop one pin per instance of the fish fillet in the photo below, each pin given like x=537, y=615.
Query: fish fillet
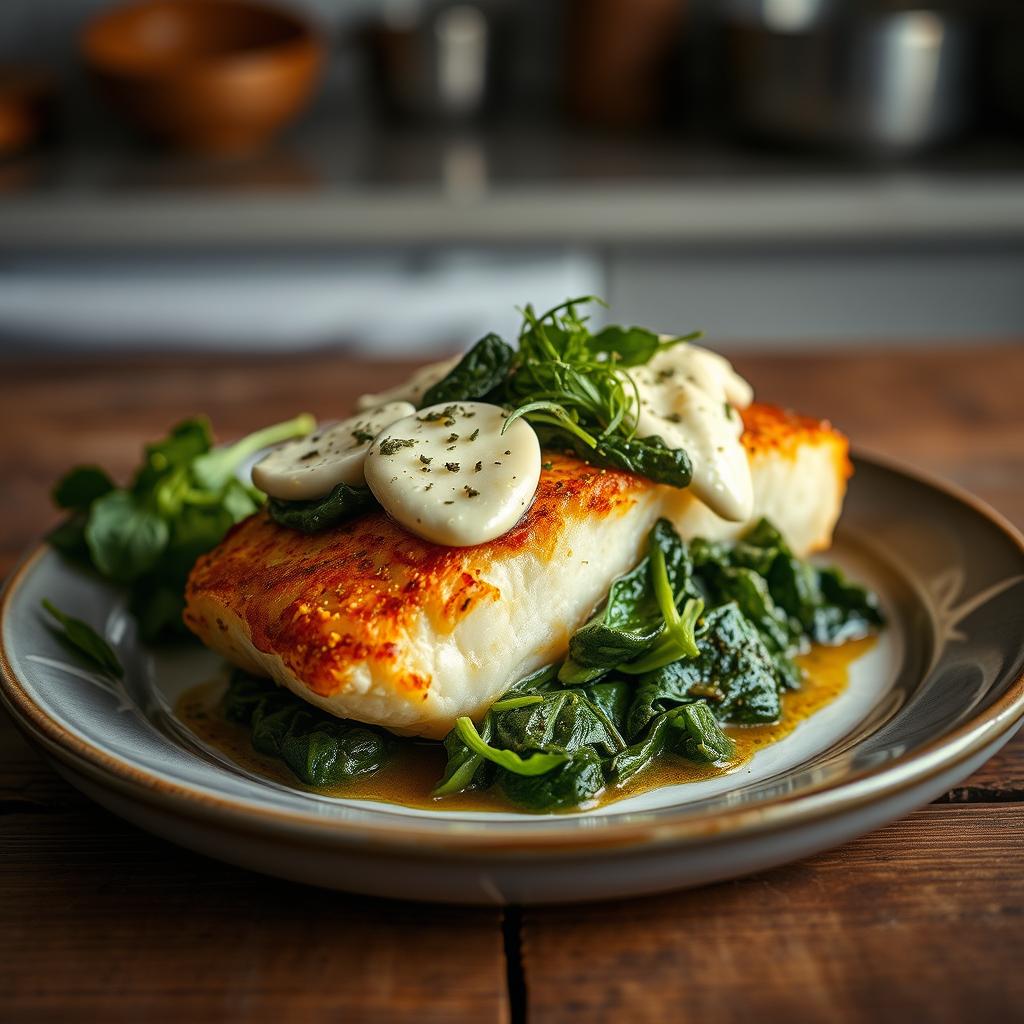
x=372, y=623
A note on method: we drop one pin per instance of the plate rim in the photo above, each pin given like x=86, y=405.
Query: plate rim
x=465, y=838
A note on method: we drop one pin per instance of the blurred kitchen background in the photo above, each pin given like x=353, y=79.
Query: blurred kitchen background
x=394, y=176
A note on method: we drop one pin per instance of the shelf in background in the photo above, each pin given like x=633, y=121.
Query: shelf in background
x=339, y=182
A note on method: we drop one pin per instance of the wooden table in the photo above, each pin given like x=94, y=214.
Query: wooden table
x=921, y=920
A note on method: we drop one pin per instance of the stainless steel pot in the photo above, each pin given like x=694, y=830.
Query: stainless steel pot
x=834, y=73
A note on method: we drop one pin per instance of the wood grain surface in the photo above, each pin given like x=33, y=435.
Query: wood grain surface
x=98, y=921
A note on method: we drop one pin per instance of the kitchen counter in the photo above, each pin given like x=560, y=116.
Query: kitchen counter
x=101, y=921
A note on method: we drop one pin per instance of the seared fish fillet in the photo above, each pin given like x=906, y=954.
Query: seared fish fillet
x=372, y=623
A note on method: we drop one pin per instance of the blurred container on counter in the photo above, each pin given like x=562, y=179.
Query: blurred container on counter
x=432, y=60
x=214, y=76
x=26, y=107
x=617, y=58
x=885, y=78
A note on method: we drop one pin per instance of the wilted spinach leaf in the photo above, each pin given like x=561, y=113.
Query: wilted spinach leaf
x=343, y=503
x=689, y=730
x=734, y=672
x=320, y=750
x=573, y=783
x=479, y=372
x=631, y=620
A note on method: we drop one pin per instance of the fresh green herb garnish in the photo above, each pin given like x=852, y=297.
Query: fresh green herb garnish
x=183, y=499
x=82, y=636
x=569, y=383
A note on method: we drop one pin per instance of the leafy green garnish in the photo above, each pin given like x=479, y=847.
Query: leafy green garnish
x=571, y=386
x=78, y=489
x=82, y=636
x=343, y=503
x=183, y=499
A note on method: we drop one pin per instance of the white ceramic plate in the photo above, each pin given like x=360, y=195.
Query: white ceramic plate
x=941, y=691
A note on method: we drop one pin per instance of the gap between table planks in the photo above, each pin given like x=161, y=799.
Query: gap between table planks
x=99, y=921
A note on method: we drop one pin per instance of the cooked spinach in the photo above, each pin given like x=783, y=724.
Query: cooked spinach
x=697, y=636
x=689, y=730
x=320, y=750
x=343, y=503
x=482, y=369
x=646, y=680
x=631, y=620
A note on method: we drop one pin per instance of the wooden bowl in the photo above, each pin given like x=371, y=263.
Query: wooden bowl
x=215, y=76
x=26, y=105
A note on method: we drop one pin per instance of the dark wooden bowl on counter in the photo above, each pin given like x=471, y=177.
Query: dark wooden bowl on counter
x=212, y=76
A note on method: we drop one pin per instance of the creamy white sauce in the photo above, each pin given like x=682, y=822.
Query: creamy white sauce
x=449, y=475
x=689, y=397
x=313, y=466
x=413, y=389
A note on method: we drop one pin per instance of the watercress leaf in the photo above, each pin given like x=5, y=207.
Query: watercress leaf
x=215, y=468
x=80, y=487
x=633, y=346
x=83, y=637
x=68, y=538
x=630, y=346
x=479, y=372
x=343, y=503
x=572, y=783
x=125, y=537
x=185, y=442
